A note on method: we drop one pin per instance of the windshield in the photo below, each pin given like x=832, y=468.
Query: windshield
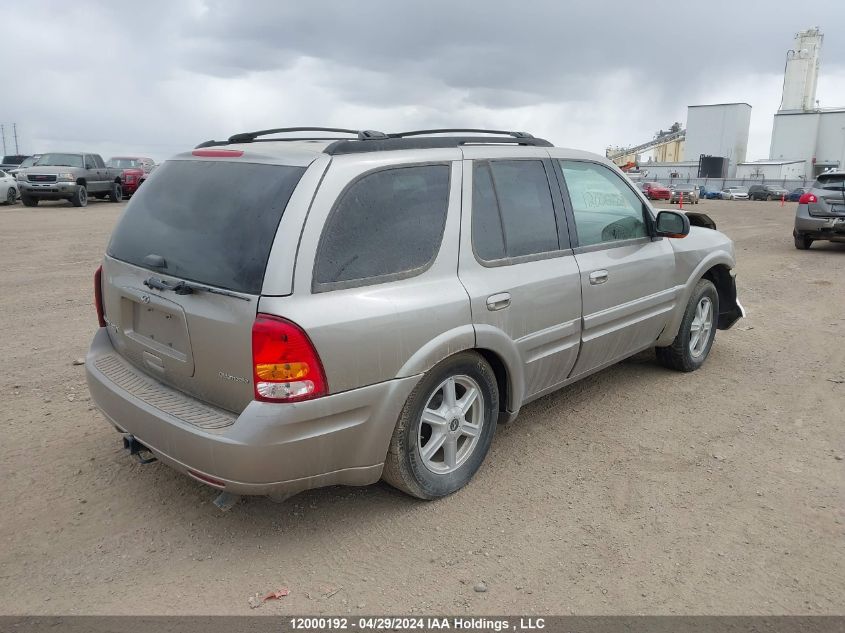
x=29, y=162
x=683, y=187
x=60, y=160
x=213, y=222
x=124, y=163
x=739, y=189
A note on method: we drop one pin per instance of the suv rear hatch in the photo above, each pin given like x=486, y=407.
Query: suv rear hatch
x=184, y=270
x=831, y=189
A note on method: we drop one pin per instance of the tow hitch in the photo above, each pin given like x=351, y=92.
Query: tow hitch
x=136, y=448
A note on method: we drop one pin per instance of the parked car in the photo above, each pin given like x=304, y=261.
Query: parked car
x=735, y=193
x=11, y=161
x=710, y=194
x=796, y=193
x=656, y=191
x=8, y=188
x=821, y=211
x=29, y=161
x=135, y=171
x=266, y=309
x=689, y=192
x=69, y=176
x=766, y=192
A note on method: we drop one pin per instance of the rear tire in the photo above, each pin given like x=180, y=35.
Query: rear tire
x=695, y=337
x=80, y=196
x=116, y=192
x=29, y=201
x=432, y=458
x=802, y=242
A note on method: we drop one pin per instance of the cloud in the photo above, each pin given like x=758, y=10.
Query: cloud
x=163, y=76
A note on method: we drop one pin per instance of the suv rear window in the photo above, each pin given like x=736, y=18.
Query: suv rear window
x=213, y=222
x=834, y=182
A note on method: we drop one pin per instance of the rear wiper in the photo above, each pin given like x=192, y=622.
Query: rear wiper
x=186, y=288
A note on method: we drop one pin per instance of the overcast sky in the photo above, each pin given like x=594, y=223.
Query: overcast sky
x=158, y=76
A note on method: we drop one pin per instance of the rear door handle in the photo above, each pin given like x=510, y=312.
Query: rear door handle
x=598, y=277
x=498, y=301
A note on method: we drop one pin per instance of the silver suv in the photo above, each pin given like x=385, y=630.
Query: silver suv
x=821, y=211
x=282, y=314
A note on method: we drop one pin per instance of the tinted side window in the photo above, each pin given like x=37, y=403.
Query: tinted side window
x=387, y=222
x=513, y=213
x=605, y=208
x=98, y=161
x=488, y=238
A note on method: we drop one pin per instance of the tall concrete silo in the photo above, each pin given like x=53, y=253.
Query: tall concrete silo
x=801, y=74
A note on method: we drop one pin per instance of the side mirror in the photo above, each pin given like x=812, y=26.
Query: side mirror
x=672, y=224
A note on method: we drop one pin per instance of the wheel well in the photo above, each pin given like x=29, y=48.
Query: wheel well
x=720, y=276
x=117, y=180
x=502, y=377
x=81, y=181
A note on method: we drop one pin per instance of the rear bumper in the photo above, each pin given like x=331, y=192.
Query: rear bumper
x=269, y=449
x=818, y=227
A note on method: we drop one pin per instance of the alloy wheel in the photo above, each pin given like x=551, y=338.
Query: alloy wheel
x=451, y=424
x=702, y=324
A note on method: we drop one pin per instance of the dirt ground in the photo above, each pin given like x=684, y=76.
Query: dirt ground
x=638, y=490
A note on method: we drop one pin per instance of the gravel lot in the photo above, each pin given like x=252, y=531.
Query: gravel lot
x=638, y=490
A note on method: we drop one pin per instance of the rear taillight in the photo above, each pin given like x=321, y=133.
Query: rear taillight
x=98, y=296
x=807, y=198
x=285, y=365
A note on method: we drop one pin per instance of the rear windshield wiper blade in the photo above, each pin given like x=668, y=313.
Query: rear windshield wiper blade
x=187, y=288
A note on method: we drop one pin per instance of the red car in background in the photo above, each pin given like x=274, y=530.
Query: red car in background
x=135, y=171
x=656, y=191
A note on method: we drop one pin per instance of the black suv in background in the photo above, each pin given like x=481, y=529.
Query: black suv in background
x=766, y=192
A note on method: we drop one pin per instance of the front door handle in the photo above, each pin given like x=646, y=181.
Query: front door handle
x=498, y=301
x=598, y=277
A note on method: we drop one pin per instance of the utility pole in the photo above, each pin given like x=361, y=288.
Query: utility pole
x=3, y=134
x=15, y=132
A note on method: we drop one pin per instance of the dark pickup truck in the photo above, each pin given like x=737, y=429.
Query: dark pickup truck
x=69, y=176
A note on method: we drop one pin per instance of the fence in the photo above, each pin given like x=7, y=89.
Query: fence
x=718, y=184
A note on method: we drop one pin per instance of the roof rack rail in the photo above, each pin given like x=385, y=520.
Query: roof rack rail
x=460, y=129
x=392, y=142
x=374, y=141
x=248, y=137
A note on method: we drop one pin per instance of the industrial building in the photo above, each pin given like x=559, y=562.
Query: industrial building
x=803, y=131
x=714, y=142
x=806, y=139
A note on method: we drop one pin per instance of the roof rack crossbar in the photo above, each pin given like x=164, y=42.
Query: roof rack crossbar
x=459, y=129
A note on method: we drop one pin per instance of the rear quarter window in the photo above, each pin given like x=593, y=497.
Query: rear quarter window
x=213, y=222
x=388, y=224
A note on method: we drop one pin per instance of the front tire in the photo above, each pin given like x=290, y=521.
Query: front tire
x=29, y=201
x=11, y=196
x=80, y=196
x=445, y=428
x=116, y=192
x=695, y=337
